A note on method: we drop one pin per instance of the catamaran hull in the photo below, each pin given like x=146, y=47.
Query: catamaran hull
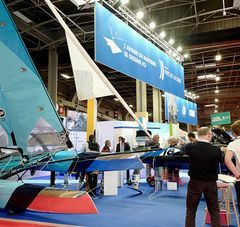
x=58, y=166
x=61, y=201
x=111, y=162
x=87, y=162
x=16, y=197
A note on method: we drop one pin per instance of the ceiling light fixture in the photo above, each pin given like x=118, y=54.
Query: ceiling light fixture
x=116, y=99
x=216, y=100
x=65, y=76
x=210, y=105
x=191, y=95
x=130, y=105
x=152, y=25
x=204, y=66
x=124, y=2
x=140, y=15
x=178, y=58
x=217, y=78
x=218, y=57
x=179, y=49
x=185, y=55
x=171, y=41
x=22, y=17
x=162, y=34
x=207, y=76
x=82, y=2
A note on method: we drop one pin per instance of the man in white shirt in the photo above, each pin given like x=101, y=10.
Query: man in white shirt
x=233, y=150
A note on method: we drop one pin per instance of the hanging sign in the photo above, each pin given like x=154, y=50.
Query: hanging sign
x=121, y=48
x=180, y=110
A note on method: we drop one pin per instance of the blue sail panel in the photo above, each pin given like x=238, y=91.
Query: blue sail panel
x=11, y=38
x=5, y=128
x=25, y=94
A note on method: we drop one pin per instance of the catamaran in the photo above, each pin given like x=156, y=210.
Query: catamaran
x=32, y=136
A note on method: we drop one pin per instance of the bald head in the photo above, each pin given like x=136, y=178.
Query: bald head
x=205, y=133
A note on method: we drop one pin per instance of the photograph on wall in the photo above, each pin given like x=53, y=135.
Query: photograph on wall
x=76, y=121
x=76, y=124
x=172, y=109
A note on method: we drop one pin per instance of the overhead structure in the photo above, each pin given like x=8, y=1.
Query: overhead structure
x=139, y=25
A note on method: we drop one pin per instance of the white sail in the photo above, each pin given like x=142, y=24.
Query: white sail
x=73, y=38
x=88, y=84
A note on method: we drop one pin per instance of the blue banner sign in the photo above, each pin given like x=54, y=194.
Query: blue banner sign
x=121, y=48
x=180, y=110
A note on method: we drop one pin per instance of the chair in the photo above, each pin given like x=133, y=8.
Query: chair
x=226, y=204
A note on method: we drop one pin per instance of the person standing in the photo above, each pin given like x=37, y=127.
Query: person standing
x=92, y=177
x=106, y=148
x=192, y=137
x=203, y=171
x=233, y=150
x=172, y=172
x=152, y=144
x=122, y=145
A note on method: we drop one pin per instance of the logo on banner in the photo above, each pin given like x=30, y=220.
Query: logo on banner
x=161, y=70
x=184, y=111
x=2, y=113
x=114, y=48
x=191, y=113
x=165, y=70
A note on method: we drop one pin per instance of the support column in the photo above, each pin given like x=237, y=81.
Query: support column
x=189, y=127
x=52, y=87
x=91, y=116
x=141, y=96
x=52, y=74
x=157, y=105
x=160, y=106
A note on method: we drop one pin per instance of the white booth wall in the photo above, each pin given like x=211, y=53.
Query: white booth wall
x=111, y=130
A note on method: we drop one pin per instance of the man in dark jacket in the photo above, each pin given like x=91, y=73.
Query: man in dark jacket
x=122, y=145
x=203, y=171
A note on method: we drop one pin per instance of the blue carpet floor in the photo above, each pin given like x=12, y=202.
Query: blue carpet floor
x=167, y=209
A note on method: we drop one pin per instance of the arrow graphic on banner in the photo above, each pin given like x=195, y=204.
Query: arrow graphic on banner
x=114, y=48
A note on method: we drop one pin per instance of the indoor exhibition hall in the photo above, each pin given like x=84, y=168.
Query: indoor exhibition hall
x=119, y=113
